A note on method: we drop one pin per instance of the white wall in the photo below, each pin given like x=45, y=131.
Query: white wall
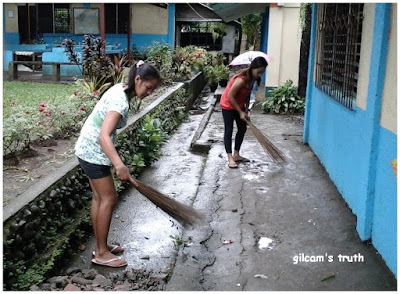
x=149, y=19
x=11, y=23
x=284, y=38
x=389, y=99
x=365, y=55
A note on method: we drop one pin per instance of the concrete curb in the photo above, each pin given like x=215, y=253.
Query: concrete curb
x=196, y=145
x=35, y=190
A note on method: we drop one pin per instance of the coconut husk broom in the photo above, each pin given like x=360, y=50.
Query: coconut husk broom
x=270, y=149
x=179, y=211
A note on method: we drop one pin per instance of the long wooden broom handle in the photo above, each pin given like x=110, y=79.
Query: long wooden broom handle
x=133, y=182
x=247, y=121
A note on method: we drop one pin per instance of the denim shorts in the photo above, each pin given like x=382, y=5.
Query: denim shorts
x=95, y=171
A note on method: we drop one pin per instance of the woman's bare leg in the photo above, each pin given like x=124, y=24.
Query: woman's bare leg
x=103, y=204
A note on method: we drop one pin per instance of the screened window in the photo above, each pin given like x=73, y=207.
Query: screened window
x=54, y=18
x=338, y=50
x=117, y=16
x=62, y=18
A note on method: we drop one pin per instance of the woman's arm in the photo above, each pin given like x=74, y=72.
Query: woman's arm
x=109, y=125
x=237, y=85
x=247, y=104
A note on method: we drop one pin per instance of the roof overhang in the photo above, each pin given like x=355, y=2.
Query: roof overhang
x=232, y=11
x=195, y=12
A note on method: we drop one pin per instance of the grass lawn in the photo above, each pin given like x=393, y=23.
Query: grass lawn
x=29, y=94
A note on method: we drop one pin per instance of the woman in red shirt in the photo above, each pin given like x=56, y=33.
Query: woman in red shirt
x=234, y=104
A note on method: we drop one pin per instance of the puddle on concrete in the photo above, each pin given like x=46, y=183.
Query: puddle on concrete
x=253, y=171
x=251, y=177
x=261, y=190
x=265, y=243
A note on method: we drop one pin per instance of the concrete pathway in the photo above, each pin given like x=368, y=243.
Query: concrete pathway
x=274, y=227
x=267, y=227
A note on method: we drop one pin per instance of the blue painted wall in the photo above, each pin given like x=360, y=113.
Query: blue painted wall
x=384, y=227
x=338, y=138
x=58, y=55
x=111, y=39
x=355, y=150
x=171, y=25
x=11, y=38
x=142, y=41
x=264, y=38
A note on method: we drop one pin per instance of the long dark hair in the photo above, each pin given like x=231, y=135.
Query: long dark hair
x=145, y=71
x=256, y=63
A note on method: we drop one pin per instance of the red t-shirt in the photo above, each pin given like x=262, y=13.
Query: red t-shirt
x=241, y=96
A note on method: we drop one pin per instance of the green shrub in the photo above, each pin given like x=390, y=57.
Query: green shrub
x=38, y=113
x=179, y=64
x=284, y=99
x=190, y=60
x=151, y=136
x=216, y=73
x=160, y=55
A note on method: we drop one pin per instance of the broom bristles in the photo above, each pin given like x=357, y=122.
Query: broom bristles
x=179, y=211
x=271, y=150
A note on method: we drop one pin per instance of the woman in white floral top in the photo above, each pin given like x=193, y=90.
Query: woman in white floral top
x=96, y=154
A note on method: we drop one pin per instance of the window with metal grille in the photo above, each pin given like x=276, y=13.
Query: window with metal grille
x=54, y=18
x=62, y=18
x=338, y=50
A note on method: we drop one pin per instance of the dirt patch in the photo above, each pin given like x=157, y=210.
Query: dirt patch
x=29, y=167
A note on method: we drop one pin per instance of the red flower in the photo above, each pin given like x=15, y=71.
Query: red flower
x=83, y=108
x=95, y=92
x=13, y=103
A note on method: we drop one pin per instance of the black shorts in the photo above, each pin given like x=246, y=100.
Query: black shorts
x=95, y=171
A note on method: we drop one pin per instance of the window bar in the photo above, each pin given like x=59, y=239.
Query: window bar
x=349, y=60
x=116, y=18
x=54, y=18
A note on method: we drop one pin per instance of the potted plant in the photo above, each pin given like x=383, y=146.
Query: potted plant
x=223, y=74
x=211, y=75
x=220, y=58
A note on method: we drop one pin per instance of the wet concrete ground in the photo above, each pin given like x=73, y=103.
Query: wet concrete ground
x=274, y=227
x=268, y=227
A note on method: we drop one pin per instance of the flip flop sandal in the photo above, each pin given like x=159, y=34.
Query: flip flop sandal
x=113, y=250
x=107, y=262
x=233, y=166
x=243, y=159
x=115, y=247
